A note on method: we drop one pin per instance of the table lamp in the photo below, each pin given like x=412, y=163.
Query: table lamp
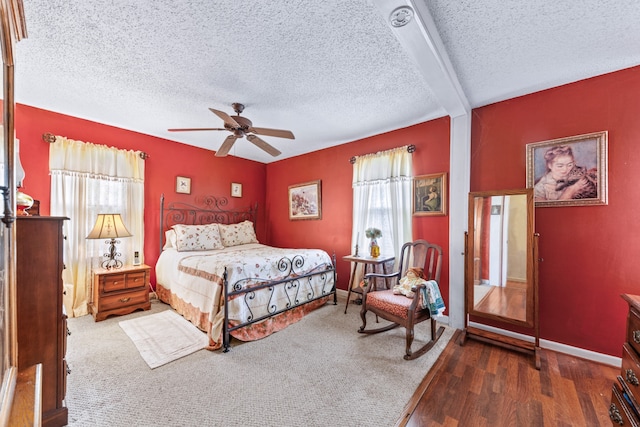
x=110, y=227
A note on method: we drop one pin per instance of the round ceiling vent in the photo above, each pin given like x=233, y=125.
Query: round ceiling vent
x=401, y=16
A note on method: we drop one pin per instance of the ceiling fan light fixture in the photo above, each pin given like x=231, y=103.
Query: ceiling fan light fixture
x=240, y=127
x=401, y=16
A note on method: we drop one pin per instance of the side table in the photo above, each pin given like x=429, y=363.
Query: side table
x=368, y=261
x=120, y=291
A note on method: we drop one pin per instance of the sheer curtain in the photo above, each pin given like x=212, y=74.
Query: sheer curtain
x=88, y=179
x=382, y=199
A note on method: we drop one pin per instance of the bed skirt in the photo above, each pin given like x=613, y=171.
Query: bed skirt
x=250, y=332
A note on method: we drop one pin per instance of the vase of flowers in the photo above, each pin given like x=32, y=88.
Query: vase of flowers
x=374, y=234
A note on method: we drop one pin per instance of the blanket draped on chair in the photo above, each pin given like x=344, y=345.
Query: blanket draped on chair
x=431, y=298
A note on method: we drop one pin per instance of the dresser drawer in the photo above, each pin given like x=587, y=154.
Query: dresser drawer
x=118, y=282
x=115, y=301
x=631, y=369
x=620, y=410
x=633, y=329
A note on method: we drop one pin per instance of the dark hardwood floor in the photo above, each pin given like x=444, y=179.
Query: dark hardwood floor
x=508, y=302
x=480, y=384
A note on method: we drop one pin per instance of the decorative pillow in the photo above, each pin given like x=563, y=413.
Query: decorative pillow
x=237, y=234
x=170, y=239
x=197, y=237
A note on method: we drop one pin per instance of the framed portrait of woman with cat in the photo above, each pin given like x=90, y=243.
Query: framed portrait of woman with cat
x=569, y=171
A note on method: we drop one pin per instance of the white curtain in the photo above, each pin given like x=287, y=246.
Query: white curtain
x=86, y=180
x=382, y=199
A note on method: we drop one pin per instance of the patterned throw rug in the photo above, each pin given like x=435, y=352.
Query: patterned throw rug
x=317, y=372
x=164, y=337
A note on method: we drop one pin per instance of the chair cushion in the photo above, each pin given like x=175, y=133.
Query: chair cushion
x=389, y=302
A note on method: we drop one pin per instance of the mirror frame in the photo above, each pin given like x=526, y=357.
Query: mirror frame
x=531, y=283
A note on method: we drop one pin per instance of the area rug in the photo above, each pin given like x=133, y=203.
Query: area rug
x=163, y=337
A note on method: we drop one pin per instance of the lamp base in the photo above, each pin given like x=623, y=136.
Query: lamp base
x=111, y=262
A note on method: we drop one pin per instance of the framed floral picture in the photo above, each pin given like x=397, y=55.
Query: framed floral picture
x=305, y=201
x=430, y=195
x=569, y=171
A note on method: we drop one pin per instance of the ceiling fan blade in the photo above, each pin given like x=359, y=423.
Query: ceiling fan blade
x=263, y=145
x=280, y=133
x=226, y=146
x=225, y=117
x=192, y=129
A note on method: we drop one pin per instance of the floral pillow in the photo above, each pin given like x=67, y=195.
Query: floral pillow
x=237, y=234
x=197, y=237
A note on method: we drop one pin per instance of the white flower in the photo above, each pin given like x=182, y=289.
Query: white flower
x=373, y=233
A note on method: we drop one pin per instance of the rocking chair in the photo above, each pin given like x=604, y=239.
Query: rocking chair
x=399, y=309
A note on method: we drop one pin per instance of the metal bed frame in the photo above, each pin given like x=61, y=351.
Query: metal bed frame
x=295, y=282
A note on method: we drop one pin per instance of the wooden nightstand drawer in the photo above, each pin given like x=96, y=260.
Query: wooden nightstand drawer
x=125, y=299
x=120, y=291
x=121, y=281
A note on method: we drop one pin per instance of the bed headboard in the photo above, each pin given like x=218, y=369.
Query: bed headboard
x=204, y=210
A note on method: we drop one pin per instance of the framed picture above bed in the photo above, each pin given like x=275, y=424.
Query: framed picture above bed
x=305, y=201
x=183, y=185
x=236, y=189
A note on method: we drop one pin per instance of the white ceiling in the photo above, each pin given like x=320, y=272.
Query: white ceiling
x=331, y=71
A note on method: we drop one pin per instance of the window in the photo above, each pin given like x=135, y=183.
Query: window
x=86, y=180
x=382, y=199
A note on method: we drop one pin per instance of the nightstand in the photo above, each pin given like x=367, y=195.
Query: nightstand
x=120, y=291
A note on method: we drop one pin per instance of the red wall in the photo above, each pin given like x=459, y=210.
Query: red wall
x=589, y=252
x=209, y=175
x=265, y=184
x=333, y=232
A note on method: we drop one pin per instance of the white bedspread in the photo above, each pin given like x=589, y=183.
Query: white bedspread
x=196, y=278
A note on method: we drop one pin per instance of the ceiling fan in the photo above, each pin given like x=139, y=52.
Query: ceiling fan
x=241, y=126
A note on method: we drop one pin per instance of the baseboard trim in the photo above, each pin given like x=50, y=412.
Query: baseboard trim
x=342, y=293
x=556, y=346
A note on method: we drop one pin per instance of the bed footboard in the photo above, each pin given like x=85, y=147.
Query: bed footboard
x=299, y=289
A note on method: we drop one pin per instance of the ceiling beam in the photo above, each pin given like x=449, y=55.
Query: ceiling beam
x=421, y=40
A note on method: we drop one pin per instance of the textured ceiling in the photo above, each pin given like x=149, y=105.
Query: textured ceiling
x=331, y=71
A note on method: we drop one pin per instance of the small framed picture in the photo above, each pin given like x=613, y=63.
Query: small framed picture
x=305, y=201
x=236, y=189
x=430, y=195
x=183, y=185
x=569, y=171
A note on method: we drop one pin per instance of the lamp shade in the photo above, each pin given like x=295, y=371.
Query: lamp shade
x=109, y=226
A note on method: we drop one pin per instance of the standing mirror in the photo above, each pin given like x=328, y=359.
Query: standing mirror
x=501, y=268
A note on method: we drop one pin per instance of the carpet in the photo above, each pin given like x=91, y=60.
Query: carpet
x=164, y=337
x=317, y=372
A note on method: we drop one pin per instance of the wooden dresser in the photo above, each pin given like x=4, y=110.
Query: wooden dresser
x=120, y=291
x=624, y=408
x=42, y=323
